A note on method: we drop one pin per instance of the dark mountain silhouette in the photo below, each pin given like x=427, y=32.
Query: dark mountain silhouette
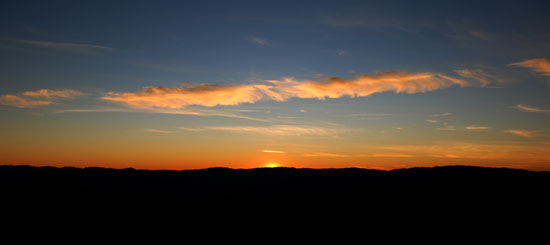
x=268, y=183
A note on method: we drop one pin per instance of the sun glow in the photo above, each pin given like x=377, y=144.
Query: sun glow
x=271, y=165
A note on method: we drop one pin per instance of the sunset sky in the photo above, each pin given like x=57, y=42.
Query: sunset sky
x=244, y=84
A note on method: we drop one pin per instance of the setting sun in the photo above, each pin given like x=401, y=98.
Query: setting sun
x=298, y=84
x=272, y=165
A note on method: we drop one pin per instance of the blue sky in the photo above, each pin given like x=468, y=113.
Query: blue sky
x=487, y=61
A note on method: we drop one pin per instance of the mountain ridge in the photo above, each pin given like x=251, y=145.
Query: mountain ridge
x=271, y=183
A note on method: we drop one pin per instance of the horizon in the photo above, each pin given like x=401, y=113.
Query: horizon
x=277, y=167
x=167, y=85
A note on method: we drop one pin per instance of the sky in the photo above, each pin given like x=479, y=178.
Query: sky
x=245, y=84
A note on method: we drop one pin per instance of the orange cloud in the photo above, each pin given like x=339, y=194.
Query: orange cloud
x=158, y=131
x=14, y=100
x=280, y=130
x=531, y=109
x=540, y=65
x=477, y=127
x=393, y=155
x=492, y=150
x=203, y=94
x=321, y=154
x=477, y=74
x=363, y=85
x=48, y=93
x=37, y=98
x=447, y=128
x=330, y=87
x=521, y=132
x=273, y=151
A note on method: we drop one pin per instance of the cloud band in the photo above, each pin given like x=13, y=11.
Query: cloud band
x=282, y=90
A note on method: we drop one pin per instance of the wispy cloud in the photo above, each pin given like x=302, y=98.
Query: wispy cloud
x=540, y=65
x=477, y=75
x=191, y=129
x=281, y=90
x=364, y=22
x=477, y=127
x=522, y=132
x=279, y=130
x=200, y=112
x=37, y=98
x=321, y=154
x=194, y=112
x=441, y=114
x=273, y=151
x=273, y=130
x=447, y=128
x=48, y=93
x=481, y=35
x=258, y=40
x=157, y=131
x=176, y=98
x=86, y=110
x=432, y=121
x=531, y=109
x=371, y=118
x=342, y=52
x=393, y=155
x=62, y=46
x=474, y=150
x=22, y=102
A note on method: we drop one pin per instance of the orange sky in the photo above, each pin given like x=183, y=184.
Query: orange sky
x=326, y=84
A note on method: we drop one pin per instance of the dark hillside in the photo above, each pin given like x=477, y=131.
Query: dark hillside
x=270, y=183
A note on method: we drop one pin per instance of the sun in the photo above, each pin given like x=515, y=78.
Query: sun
x=271, y=165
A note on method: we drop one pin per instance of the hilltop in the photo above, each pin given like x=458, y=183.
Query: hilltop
x=269, y=183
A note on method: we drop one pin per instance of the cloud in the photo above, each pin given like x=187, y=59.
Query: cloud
x=87, y=110
x=21, y=102
x=441, y=114
x=272, y=151
x=363, y=85
x=37, y=98
x=395, y=155
x=460, y=82
x=158, y=131
x=481, y=35
x=447, y=128
x=477, y=127
x=48, y=93
x=69, y=47
x=320, y=154
x=200, y=112
x=341, y=52
x=191, y=129
x=475, y=150
x=531, y=109
x=176, y=98
x=273, y=130
x=477, y=75
x=521, y=132
x=282, y=90
x=279, y=130
x=432, y=121
x=540, y=65
x=258, y=40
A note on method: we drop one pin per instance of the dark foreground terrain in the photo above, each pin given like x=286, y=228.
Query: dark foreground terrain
x=269, y=183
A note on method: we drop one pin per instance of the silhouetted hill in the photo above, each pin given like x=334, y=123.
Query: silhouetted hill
x=270, y=183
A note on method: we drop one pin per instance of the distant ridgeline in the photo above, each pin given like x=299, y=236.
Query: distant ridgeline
x=270, y=183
